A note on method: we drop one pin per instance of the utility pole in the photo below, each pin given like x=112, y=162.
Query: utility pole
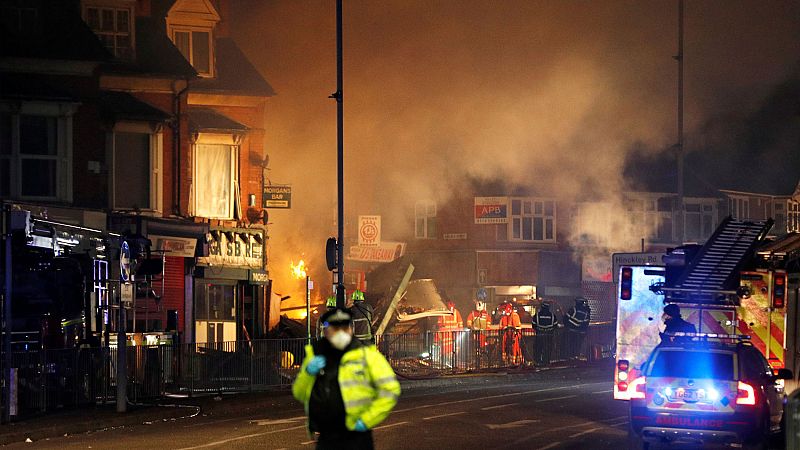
x=679, y=145
x=338, y=95
x=7, y=321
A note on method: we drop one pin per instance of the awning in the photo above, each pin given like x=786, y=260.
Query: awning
x=207, y=120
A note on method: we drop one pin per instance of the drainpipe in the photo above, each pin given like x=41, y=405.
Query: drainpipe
x=176, y=146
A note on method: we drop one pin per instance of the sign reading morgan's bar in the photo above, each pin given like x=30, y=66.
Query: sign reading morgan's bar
x=278, y=196
x=386, y=252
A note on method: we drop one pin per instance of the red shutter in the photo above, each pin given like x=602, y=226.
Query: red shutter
x=174, y=287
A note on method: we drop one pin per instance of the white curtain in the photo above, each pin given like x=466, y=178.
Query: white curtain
x=213, y=181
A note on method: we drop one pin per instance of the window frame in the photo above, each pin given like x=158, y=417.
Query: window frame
x=234, y=144
x=114, y=32
x=156, y=164
x=533, y=213
x=176, y=28
x=62, y=114
x=426, y=211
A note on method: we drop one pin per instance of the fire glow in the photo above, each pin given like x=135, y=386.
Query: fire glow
x=298, y=270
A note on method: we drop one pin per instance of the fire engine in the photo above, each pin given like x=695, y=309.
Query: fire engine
x=737, y=283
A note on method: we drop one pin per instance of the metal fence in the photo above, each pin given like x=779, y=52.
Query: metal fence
x=52, y=379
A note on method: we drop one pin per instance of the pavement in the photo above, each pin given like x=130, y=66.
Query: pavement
x=270, y=404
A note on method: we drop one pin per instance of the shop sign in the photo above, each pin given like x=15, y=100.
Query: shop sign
x=174, y=246
x=491, y=210
x=278, y=196
x=369, y=231
x=234, y=247
x=387, y=252
x=259, y=277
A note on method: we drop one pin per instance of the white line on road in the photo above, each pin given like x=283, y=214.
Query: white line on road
x=607, y=391
x=239, y=438
x=383, y=427
x=444, y=415
x=553, y=445
x=589, y=431
x=603, y=422
x=508, y=394
x=307, y=442
x=498, y=406
x=555, y=398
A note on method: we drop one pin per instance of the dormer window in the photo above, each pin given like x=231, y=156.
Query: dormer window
x=195, y=45
x=114, y=28
x=190, y=25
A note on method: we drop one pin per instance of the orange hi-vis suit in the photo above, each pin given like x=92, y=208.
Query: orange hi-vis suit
x=511, y=324
x=446, y=325
x=479, y=320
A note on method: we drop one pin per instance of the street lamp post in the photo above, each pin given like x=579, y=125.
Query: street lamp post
x=338, y=95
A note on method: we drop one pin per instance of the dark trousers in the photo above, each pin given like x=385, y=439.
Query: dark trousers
x=544, y=347
x=350, y=440
x=574, y=343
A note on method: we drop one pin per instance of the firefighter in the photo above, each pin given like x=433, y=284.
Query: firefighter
x=478, y=321
x=544, y=322
x=347, y=388
x=577, y=325
x=674, y=324
x=511, y=325
x=362, y=319
x=447, y=326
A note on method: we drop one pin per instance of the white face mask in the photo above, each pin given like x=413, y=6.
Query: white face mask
x=340, y=340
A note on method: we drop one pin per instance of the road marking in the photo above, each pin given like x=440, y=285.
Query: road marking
x=289, y=421
x=607, y=391
x=553, y=445
x=212, y=422
x=307, y=442
x=592, y=430
x=555, y=398
x=603, y=422
x=498, y=406
x=389, y=426
x=516, y=424
x=239, y=438
x=509, y=394
x=444, y=415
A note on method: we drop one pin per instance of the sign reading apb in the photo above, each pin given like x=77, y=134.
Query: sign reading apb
x=491, y=209
x=278, y=196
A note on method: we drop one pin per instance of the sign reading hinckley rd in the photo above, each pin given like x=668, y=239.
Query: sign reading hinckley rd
x=369, y=231
x=277, y=196
x=634, y=259
x=491, y=210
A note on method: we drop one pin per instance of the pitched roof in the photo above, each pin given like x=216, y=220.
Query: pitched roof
x=235, y=74
x=32, y=87
x=204, y=119
x=121, y=105
x=155, y=53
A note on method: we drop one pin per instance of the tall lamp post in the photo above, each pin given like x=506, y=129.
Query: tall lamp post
x=338, y=96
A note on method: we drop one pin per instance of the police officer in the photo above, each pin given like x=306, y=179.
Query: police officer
x=544, y=322
x=577, y=326
x=362, y=319
x=674, y=324
x=347, y=388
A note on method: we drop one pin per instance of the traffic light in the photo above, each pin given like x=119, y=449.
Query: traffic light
x=778, y=289
x=626, y=283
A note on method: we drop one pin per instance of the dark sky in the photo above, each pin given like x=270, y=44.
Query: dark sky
x=558, y=95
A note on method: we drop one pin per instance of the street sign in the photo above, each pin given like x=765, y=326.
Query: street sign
x=634, y=259
x=278, y=196
x=126, y=291
x=125, y=261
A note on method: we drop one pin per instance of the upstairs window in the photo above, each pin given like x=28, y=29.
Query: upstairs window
x=136, y=155
x=532, y=220
x=425, y=220
x=195, y=45
x=215, y=185
x=19, y=21
x=114, y=28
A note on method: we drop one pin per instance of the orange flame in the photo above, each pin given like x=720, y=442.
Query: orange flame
x=298, y=270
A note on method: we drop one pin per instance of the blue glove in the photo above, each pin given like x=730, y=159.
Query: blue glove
x=360, y=426
x=316, y=364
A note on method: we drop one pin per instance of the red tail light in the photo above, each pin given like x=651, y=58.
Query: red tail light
x=638, y=386
x=746, y=394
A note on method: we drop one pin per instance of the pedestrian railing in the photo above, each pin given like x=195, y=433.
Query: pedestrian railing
x=48, y=380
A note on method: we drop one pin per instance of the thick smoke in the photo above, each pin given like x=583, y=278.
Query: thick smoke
x=553, y=95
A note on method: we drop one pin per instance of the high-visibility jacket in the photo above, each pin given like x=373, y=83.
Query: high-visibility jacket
x=362, y=321
x=545, y=320
x=511, y=321
x=478, y=320
x=578, y=317
x=367, y=382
